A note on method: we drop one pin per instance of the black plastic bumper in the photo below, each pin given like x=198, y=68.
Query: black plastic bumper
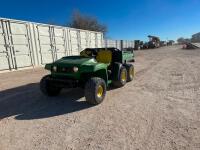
x=64, y=83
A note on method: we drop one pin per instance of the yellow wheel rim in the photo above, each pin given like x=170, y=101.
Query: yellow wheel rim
x=132, y=72
x=99, y=91
x=123, y=75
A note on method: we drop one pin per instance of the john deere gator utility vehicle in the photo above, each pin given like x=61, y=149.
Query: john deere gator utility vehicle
x=94, y=70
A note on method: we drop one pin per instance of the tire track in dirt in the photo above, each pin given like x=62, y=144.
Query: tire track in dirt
x=142, y=74
x=182, y=81
x=136, y=116
x=151, y=126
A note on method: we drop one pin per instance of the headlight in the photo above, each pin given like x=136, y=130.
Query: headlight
x=75, y=69
x=54, y=68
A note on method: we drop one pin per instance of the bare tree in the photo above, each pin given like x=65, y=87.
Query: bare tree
x=85, y=22
x=181, y=40
x=172, y=41
x=196, y=37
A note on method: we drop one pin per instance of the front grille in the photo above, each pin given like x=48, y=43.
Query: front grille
x=64, y=70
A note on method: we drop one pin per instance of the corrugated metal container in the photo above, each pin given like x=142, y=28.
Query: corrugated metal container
x=25, y=44
x=5, y=62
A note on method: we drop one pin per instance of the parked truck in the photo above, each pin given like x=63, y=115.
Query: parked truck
x=94, y=70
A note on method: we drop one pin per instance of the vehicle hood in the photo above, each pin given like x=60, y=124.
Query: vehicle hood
x=74, y=61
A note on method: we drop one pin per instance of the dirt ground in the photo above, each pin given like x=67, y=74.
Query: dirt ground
x=159, y=110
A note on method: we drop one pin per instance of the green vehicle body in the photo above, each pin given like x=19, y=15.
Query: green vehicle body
x=94, y=70
x=87, y=67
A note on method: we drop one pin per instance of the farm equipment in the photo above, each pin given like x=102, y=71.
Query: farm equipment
x=138, y=45
x=154, y=42
x=94, y=70
x=163, y=43
x=146, y=45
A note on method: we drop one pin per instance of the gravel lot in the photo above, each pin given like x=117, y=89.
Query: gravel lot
x=159, y=110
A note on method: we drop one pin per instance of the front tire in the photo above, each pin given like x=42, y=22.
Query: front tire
x=47, y=88
x=95, y=90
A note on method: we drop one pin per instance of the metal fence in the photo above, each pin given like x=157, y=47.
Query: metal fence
x=26, y=44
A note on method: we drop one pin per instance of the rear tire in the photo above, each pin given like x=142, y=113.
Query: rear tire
x=122, y=77
x=130, y=72
x=95, y=90
x=47, y=88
